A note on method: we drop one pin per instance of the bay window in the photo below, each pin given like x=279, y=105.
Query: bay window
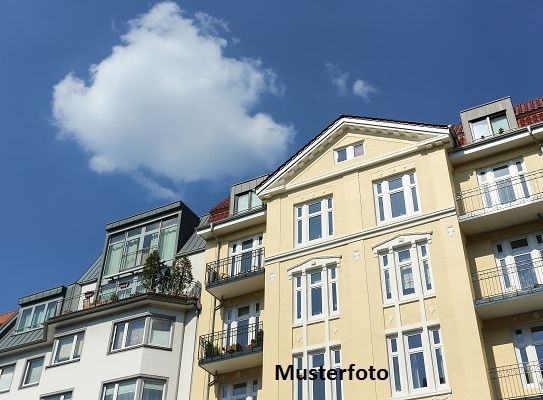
x=134, y=389
x=150, y=331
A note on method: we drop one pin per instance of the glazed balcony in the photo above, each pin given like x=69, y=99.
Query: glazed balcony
x=518, y=381
x=232, y=349
x=504, y=203
x=510, y=289
x=236, y=275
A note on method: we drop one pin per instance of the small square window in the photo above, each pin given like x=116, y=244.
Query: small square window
x=68, y=348
x=349, y=152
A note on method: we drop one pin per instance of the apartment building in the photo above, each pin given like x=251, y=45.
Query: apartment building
x=407, y=253
x=111, y=335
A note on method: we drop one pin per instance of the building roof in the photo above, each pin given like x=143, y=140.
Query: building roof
x=195, y=243
x=92, y=273
x=220, y=211
x=6, y=316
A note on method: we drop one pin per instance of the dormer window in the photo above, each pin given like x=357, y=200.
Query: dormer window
x=488, y=126
x=246, y=201
x=34, y=316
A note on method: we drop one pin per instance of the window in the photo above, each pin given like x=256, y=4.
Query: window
x=6, y=376
x=32, y=372
x=61, y=396
x=349, y=152
x=503, y=184
x=33, y=317
x=316, y=294
x=150, y=331
x=488, y=126
x=246, y=256
x=519, y=262
x=246, y=201
x=246, y=390
x=406, y=272
x=416, y=362
x=317, y=389
x=68, y=348
x=242, y=326
x=130, y=249
x=135, y=389
x=396, y=197
x=528, y=342
x=314, y=221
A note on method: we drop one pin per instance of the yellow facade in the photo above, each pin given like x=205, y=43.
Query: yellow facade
x=374, y=258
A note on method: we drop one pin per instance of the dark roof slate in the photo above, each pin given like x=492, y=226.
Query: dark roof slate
x=92, y=273
x=196, y=242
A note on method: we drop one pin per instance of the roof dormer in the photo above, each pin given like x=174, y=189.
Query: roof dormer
x=488, y=120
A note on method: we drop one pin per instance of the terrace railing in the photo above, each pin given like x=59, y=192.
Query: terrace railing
x=235, y=267
x=518, y=381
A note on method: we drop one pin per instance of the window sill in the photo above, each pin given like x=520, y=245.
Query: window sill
x=312, y=242
x=425, y=393
x=29, y=385
x=313, y=321
x=58, y=364
x=138, y=346
x=398, y=219
x=409, y=300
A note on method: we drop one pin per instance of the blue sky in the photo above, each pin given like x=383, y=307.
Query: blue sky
x=109, y=108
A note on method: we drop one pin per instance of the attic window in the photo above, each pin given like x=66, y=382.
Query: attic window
x=488, y=126
x=246, y=201
x=349, y=152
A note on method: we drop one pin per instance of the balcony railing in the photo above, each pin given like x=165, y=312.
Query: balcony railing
x=502, y=194
x=235, y=267
x=519, y=381
x=508, y=281
x=231, y=343
x=136, y=258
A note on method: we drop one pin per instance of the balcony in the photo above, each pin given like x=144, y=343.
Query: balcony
x=236, y=275
x=519, y=381
x=504, y=203
x=510, y=289
x=232, y=349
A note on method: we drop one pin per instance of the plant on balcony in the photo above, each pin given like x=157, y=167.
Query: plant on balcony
x=210, y=350
x=180, y=276
x=114, y=297
x=259, y=337
x=152, y=271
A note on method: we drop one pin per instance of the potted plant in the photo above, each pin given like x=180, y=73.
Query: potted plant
x=180, y=276
x=210, y=350
x=114, y=297
x=152, y=271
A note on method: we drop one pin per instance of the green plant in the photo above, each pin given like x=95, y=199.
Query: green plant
x=152, y=271
x=180, y=276
x=259, y=337
x=210, y=350
x=114, y=297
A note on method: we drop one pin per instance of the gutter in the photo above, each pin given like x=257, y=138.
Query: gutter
x=529, y=127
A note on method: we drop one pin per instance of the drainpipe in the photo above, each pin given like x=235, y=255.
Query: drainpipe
x=217, y=253
x=533, y=137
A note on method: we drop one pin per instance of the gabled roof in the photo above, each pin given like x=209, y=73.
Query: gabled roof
x=220, y=211
x=381, y=124
x=6, y=316
x=92, y=273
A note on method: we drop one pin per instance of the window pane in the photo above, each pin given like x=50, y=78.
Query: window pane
x=519, y=336
x=387, y=285
x=396, y=367
x=255, y=200
x=404, y=255
x=394, y=184
x=479, y=129
x=316, y=300
x=427, y=276
x=408, y=285
x=393, y=345
x=240, y=389
x=341, y=155
x=152, y=390
x=6, y=375
x=24, y=321
x=397, y=204
x=243, y=202
x=118, y=339
x=418, y=370
x=299, y=229
x=334, y=296
x=414, y=341
x=114, y=255
x=167, y=242
x=414, y=197
x=299, y=383
x=518, y=244
x=359, y=150
x=330, y=223
x=498, y=122
x=315, y=207
x=160, y=332
x=39, y=315
x=134, y=335
x=381, y=209
x=298, y=305
x=435, y=335
x=33, y=372
x=109, y=392
x=318, y=384
x=127, y=391
x=315, y=227
x=78, y=345
x=440, y=369
x=315, y=277
x=537, y=333
x=64, y=349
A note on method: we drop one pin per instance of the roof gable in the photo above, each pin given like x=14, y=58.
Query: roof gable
x=388, y=139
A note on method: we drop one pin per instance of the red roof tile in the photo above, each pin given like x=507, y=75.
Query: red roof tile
x=220, y=211
x=4, y=317
x=528, y=106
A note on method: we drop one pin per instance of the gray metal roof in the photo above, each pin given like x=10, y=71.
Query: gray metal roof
x=195, y=243
x=92, y=273
x=12, y=339
x=60, y=290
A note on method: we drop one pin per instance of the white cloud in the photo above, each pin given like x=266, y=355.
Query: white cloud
x=363, y=89
x=168, y=104
x=338, y=78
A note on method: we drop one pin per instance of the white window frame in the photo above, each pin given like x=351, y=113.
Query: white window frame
x=236, y=263
x=138, y=392
x=404, y=381
x=302, y=293
x=304, y=361
x=517, y=190
x=302, y=217
x=421, y=267
x=527, y=355
x=227, y=390
x=490, y=130
x=3, y=369
x=59, y=396
x=73, y=357
x=231, y=320
x=383, y=193
x=33, y=307
x=27, y=368
x=508, y=262
x=148, y=321
x=253, y=201
x=349, y=152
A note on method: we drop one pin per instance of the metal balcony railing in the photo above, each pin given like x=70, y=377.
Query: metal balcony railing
x=235, y=267
x=501, y=194
x=508, y=281
x=231, y=343
x=136, y=258
x=518, y=381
